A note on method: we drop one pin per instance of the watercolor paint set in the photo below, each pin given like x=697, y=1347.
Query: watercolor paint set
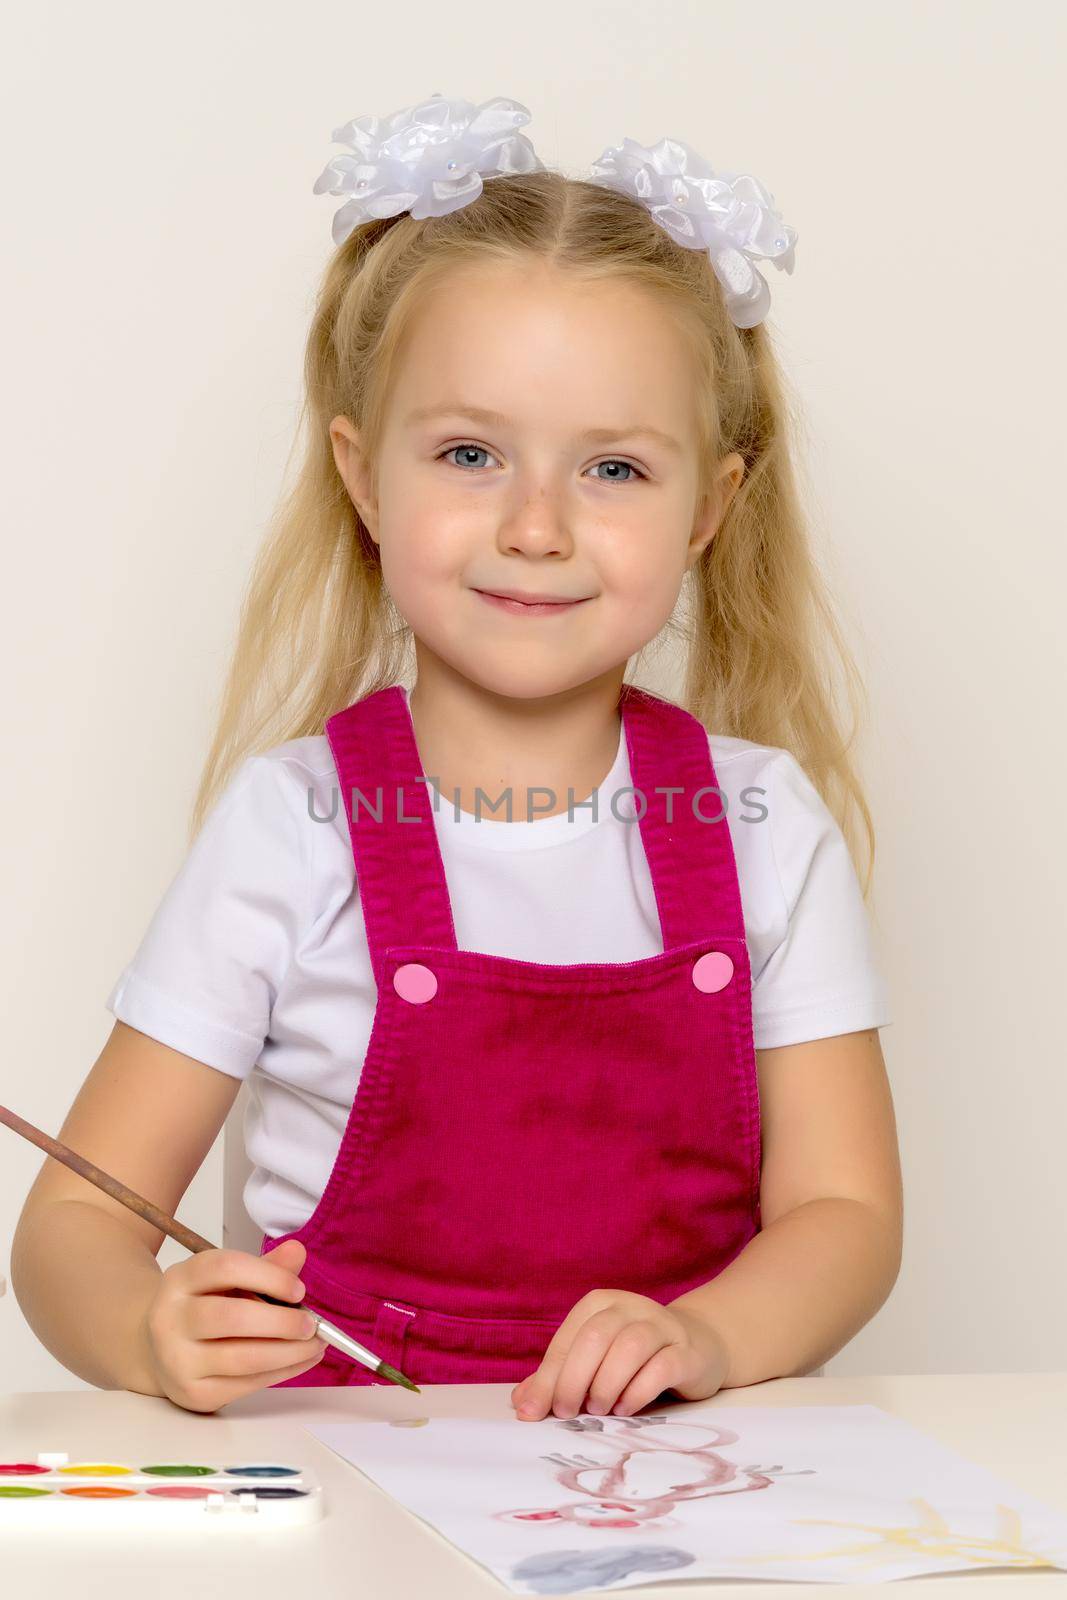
x=52, y=1492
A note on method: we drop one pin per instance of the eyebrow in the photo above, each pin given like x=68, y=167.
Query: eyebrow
x=496, y=419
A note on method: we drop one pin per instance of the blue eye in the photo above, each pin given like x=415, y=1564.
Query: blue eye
x=478, y=449
x=468, y=449
x=615, y=462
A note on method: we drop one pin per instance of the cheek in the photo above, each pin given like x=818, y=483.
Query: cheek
x=644, y=571
x=408, y=575
x=420, y=561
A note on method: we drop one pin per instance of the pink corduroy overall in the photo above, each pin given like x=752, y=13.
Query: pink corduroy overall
x=523, y=1133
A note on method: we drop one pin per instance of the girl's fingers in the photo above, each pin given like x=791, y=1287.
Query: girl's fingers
x=661, y=1371
x=239, y=1358
x=582, y=1360
x=214, y=1271
x=633, y=1346
x=541, y=1388
x=221, y=1316
x=220, y=1391
x=536, y=1397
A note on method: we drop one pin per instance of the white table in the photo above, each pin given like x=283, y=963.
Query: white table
x=368, y=1547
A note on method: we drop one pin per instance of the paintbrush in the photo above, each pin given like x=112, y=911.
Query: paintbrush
x=193, y=1241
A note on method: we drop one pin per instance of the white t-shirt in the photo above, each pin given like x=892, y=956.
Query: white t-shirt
x=256, y=959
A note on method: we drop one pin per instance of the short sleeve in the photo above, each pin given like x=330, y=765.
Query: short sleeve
x=822, y=978
x=208, y=970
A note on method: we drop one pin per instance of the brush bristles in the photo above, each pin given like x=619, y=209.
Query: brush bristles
x=386, y=1371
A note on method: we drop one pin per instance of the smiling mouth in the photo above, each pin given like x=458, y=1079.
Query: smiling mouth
x=528, y=607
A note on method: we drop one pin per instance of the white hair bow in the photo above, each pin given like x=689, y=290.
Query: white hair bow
x=732, y=217
x=431, y=158
x=428, y=159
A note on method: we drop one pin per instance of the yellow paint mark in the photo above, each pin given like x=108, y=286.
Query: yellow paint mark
x=931, y=1536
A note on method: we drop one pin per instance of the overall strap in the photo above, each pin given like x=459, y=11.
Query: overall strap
x=399, y=871
x=691, y=861
x=400, y=876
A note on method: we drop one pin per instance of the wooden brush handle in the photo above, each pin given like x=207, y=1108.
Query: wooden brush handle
x=103, y=1180
x=185, y=1236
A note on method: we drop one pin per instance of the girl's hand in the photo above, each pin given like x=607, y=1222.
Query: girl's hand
x=207, y=1341
x=622, y=1350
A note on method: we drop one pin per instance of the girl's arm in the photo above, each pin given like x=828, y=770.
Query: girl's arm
x=831, y=1211
x=83, y=1266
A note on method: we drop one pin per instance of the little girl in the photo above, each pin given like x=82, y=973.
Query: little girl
x=558, y=998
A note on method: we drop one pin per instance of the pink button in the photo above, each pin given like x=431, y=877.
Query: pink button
x=414, y=983
x=713, y=971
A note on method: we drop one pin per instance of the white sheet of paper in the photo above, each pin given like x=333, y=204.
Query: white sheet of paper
x=837, y=1494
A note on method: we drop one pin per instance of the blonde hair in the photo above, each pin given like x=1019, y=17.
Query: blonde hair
x=318, y=628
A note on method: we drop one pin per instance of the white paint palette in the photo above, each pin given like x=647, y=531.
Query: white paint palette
x=52, y=1492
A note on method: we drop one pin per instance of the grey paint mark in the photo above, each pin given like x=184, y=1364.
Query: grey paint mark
x=560, y=1571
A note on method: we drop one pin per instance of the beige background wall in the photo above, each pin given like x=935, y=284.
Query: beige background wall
x=163, y=246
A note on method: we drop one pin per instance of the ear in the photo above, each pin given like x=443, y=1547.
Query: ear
x=354, y=470
x=714, y=505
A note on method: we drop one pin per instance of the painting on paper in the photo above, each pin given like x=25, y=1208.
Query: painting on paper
x=840, y=1494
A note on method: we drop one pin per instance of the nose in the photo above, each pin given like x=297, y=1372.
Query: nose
x=536, y=526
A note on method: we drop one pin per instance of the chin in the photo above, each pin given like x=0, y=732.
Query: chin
x=521, y=681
